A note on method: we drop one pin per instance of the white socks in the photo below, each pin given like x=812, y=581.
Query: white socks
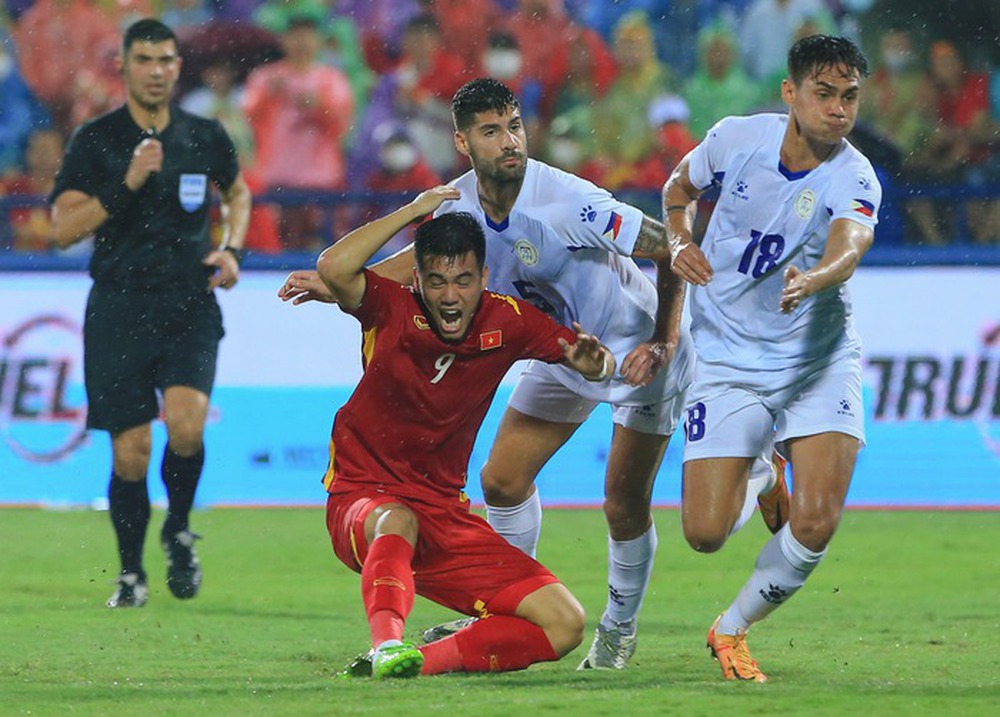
x=630, y=565
x=761, y=480
x=781, y=569
x=520, y=525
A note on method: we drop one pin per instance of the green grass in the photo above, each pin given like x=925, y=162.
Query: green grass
x=901, y=619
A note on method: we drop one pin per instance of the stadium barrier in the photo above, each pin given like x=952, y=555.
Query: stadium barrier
x=931, y=332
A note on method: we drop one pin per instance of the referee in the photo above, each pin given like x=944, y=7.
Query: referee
x=138, y=179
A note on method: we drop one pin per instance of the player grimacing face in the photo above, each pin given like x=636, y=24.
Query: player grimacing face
x=825, y=104
x=497, y=145
x=150, y=71
x=451, y=288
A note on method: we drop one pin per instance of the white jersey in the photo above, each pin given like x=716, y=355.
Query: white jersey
x=766, y=219
x=566, y=248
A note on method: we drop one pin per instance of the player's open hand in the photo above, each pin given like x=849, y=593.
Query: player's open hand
x=588, y=356
x=689, y=263
x=428, y=201
x=147, y=158
x=305, y=285
x=227, y=270
x=796, y=288
x=646, y=360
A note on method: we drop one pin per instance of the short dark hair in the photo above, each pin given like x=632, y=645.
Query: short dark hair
x=450, y=236
x=820, y=52
x=483, y=94
x=147, y=30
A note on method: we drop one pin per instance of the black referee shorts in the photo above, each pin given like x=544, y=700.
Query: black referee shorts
x=139, y=342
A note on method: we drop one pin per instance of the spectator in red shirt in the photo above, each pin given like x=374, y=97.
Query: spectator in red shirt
x=30, y=225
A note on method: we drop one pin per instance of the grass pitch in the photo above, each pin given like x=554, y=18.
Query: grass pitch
x=900, y=619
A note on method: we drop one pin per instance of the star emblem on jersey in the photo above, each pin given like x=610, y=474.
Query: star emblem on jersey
x=526, y=252
x=489, y=340
x=614, y=227
x=805, y=203
x=588, y=214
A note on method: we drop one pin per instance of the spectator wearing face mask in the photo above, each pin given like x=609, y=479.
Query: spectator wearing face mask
x=401, y=168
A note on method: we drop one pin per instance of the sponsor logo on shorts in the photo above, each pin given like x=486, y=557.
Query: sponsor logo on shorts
x=845, y=408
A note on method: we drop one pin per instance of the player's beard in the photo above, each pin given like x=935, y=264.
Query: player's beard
x=495, y=171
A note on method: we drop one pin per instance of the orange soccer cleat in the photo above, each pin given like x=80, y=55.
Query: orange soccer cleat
x=733, y=655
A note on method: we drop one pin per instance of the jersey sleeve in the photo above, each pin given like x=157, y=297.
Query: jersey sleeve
x=856, y=195
x=79, y=171
x=226, y=165
x=377, y=300
x=586, y=215
x=706, y=162
x=542, y=334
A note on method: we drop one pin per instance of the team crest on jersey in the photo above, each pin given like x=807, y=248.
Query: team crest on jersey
x=526, y=252
x=489, y=340
x=191, y=191
x=421, y=322
x=805, y=203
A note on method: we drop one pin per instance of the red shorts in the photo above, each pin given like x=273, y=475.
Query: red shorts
x=460, y=561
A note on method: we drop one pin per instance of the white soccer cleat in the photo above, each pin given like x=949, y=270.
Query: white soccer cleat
x=611, y=650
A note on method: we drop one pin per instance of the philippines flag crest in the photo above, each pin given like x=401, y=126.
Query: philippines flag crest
x=490, y=340
x=614, y=226
x=862, y=206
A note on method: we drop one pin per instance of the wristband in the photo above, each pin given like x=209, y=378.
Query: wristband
x=676, y=208
x=115, y=198
x=237, y=253
x=606, y=368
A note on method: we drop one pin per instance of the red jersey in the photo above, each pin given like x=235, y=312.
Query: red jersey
x=410, y=425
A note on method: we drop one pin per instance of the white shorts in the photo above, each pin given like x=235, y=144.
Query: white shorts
x=540, y=395
x=733, y=414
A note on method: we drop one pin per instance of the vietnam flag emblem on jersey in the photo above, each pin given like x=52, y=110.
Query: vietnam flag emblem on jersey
x=614, y=226
x=490, y=340
x=862, y=206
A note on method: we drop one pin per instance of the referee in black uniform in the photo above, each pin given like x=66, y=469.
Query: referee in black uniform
x=138, y=179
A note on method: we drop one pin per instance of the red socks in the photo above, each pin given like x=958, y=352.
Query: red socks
x=495, y=644
x=387, y=587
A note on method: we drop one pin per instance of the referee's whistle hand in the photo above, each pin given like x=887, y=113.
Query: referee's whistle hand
x=227, y=270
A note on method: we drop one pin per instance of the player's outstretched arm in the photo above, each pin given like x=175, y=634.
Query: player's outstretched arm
x=305, y=284
x=847, y=243
x=341, y=266
x=587, y=355
x=679, y=197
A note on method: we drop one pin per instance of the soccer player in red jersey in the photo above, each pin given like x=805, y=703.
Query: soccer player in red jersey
x=433, y=357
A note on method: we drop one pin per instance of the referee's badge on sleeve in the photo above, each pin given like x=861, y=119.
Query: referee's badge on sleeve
x=192, y=190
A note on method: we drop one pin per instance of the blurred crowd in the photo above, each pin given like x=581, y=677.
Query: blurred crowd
x=353, y=95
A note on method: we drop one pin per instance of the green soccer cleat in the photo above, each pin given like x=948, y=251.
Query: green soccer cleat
x=403, y=660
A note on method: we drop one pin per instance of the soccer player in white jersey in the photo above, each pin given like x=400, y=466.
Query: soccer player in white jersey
x=778, y=356
x=567, y=246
